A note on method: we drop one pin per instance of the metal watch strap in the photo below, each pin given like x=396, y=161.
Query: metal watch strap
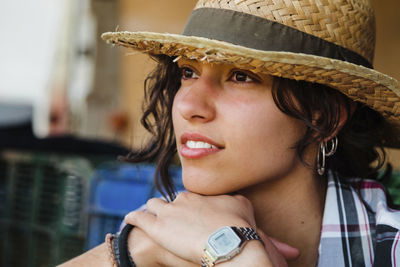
x=207, y=260
x=246, y=234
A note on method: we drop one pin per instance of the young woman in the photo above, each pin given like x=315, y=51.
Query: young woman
x=279, y=122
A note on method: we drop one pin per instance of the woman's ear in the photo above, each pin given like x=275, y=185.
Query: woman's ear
x=344, y=114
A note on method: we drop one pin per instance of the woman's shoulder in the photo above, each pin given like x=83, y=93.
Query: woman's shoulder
x=359, y=221
x=387, y=222
x=375, y=196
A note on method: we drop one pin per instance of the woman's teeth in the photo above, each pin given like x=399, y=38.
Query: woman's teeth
x=198, y=144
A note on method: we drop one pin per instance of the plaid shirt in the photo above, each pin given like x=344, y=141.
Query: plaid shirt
x=358, y=229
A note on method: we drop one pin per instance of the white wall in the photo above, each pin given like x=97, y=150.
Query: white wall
x=29, y=31
x=38, y=57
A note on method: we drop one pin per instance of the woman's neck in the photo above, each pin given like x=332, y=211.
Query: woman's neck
x=290, y=209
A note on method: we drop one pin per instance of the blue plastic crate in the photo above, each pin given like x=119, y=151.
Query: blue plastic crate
x=117, y=189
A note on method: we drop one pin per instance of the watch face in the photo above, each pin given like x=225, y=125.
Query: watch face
x=224, y=241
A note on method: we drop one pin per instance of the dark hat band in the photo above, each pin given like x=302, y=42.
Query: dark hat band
x=258, y=33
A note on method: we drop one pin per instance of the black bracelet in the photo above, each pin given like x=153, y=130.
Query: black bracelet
x=122, y=255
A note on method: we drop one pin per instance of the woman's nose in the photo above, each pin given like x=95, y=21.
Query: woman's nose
x=197, y=101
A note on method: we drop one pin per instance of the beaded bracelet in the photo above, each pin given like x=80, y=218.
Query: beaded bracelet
x=116, y=250
x=109, y=240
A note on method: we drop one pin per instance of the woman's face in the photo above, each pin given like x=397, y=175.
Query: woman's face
x=229, y=133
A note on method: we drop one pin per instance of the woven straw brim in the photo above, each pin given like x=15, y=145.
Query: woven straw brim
x=376, y=90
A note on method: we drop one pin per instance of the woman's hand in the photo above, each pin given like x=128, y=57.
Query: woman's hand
x=183, y=226
x=146, y=252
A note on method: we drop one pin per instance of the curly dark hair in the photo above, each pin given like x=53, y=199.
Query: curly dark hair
x=360, y=152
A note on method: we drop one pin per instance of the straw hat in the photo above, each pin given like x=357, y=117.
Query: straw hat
x=330, y=42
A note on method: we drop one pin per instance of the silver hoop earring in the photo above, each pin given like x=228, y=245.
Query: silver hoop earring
x=323, y=152
x=332, y=146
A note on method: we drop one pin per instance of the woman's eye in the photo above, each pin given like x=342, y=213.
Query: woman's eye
x=239, y=76
x=188, y=73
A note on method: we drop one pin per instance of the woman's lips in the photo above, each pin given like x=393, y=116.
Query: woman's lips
x=195, y=145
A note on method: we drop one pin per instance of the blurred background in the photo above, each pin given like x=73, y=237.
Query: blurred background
x=70, y=104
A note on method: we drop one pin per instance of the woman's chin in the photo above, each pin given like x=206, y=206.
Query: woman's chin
x=206, y=192
x=207, y=187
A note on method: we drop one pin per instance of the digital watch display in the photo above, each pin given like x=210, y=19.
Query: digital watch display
x=225, y=243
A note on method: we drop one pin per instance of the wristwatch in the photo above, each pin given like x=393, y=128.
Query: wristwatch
x=226, y=243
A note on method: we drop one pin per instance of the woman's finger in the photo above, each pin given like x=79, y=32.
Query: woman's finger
x=154, y=205
x=271, y=244
x=142, y=219
x=288, y=252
